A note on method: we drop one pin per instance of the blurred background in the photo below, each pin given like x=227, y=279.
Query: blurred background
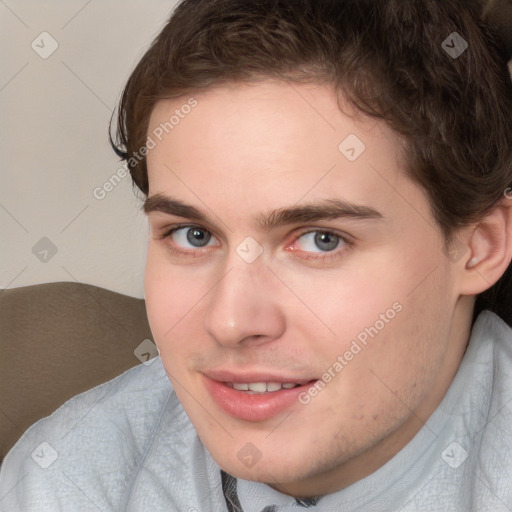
x=64, y=65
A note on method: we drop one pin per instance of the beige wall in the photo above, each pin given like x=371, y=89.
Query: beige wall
x=53, y=146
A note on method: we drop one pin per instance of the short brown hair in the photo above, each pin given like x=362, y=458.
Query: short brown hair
x=388, y=58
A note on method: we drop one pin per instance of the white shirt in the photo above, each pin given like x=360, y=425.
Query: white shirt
x=128, y=445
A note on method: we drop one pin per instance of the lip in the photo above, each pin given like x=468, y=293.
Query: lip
x=253, y=407
x=231, y=376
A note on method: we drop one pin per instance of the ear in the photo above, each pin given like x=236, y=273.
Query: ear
x=489, y=243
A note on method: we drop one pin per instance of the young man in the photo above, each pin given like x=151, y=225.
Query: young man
x=329, y=188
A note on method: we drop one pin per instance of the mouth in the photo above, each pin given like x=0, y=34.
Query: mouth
x=254, y=399
x=259, y=388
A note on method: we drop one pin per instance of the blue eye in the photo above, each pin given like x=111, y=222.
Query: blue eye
x=195, y=236
x=311, y=245
x=320, y=241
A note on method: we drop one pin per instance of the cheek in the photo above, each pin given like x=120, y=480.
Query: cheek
x=400, y=362
x=171, y=297
x=349, y=304
x=388, y=328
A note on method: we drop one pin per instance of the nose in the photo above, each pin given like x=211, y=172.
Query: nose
x=244, y=308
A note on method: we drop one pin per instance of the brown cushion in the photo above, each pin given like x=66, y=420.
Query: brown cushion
x=58, y=340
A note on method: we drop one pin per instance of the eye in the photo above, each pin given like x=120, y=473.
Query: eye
x=319, y=241
x=320, y=246
x=191, y=237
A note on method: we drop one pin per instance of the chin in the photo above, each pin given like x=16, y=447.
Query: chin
x=271, y=469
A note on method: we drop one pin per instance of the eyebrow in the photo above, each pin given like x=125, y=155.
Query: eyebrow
x=327, y=209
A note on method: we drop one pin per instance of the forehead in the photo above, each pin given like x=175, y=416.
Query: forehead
x=272, y=142
x=265, y=118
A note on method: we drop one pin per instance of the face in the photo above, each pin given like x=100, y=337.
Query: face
x=296, y=284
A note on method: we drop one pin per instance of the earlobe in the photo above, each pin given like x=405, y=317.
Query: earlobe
x=490, y=250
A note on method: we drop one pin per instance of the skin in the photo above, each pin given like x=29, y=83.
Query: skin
x=243, y=152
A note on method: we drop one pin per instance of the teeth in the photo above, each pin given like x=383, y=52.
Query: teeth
x=261, y=387
x=273, y=386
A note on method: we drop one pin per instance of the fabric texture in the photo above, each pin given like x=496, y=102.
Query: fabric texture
x=58, y=340
x=128, y=445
